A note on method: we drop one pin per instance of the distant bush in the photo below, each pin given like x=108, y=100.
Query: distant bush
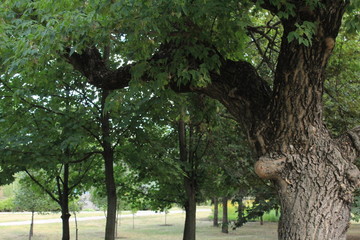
x=7, y=205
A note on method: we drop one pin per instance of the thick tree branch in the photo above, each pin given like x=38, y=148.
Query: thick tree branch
x=237, y=86
x=241, y=90
x=93, y=67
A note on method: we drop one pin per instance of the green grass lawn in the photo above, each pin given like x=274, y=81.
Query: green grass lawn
x=145, y=228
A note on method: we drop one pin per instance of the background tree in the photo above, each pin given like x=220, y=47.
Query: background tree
x=52, y=148
x=28, y=199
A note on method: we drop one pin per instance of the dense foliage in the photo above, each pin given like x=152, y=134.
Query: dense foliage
x=263, y=60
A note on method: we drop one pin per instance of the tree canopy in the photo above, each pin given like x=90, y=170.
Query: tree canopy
x=265, y=61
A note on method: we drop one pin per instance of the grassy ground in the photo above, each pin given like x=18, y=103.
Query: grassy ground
x=145, y=228
x=10, y=217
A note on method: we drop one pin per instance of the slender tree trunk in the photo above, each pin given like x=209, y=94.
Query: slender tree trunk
x=76, y=227
x=225, y=221
x=189, y=184
x=64, y=200
x=111, y=199
x=216, y=212
x=31, y=233
x=190, y=210
x=108, y=156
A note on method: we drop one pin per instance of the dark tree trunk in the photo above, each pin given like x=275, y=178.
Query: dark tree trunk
x=65, y=224
x=111, y=199
x=216, y=212
x=64, y=202
x=225, y=221
x=31, y=232
x=190, y=210
x=108, y=156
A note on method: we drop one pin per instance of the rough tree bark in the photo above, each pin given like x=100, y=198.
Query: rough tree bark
x=314, y=173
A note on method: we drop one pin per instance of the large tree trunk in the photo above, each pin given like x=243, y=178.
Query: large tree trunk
x=312, y=171
x=108, y=156
x=225, y=220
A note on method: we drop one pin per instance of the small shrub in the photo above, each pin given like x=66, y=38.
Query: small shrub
x=7, y=205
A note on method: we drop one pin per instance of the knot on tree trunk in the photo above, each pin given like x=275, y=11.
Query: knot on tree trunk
x=66, y=216
x=353, y=175
x=270, y=167
x=355, y=137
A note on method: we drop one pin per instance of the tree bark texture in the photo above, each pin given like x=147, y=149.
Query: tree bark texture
x=108, y=155
x=314, y=173
x=225, y=220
